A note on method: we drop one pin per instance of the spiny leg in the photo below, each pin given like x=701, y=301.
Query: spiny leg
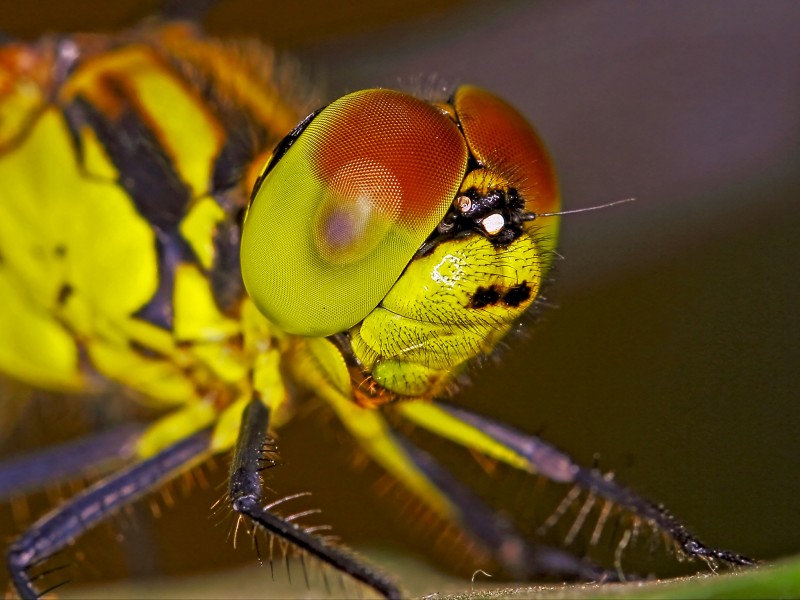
x=246, y=495
x=524, y=559
x=55, y=464
x=439, y=491
x=58, y=528
x=509, y=445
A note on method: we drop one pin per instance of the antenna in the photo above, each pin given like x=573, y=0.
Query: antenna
x=586, y=209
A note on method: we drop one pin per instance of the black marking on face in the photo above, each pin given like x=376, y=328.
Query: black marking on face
x=517, y=294
x=484, y=297
x=512, y=297
x=468, y=211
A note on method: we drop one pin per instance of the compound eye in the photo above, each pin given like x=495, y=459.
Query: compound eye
x=507, y=146
x=339, y=216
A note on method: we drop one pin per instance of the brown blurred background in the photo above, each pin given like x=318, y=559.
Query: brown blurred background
x=673, y=356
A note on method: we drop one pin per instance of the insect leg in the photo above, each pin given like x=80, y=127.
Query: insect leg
x=63, y=462
x=58, y=528
x=246, y=493
x=524, y=559
x=509, y=445
x=442, y=493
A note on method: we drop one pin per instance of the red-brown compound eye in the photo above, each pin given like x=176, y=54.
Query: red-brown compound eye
x=503, y=141
x=342, y=212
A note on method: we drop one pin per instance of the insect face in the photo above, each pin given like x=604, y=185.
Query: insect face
x=352, y=195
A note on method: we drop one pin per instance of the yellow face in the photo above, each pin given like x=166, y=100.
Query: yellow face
x=375, y=182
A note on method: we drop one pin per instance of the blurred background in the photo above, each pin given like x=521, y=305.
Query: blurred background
x=672, y=357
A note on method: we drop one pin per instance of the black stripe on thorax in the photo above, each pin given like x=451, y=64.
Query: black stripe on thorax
x=244, y=141
x=148, y=176
x=146, y=172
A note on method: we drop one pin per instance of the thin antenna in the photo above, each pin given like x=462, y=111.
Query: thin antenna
x=588, y=208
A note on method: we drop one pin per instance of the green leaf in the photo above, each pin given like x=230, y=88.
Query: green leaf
x=779, y=580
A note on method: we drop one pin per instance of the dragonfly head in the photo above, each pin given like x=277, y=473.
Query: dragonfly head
x=408, y=224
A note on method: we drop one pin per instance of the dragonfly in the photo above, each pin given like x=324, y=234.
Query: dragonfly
x=176, y=222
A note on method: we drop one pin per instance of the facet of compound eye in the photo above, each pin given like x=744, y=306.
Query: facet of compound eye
x=508, y=148
x=341, y=213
